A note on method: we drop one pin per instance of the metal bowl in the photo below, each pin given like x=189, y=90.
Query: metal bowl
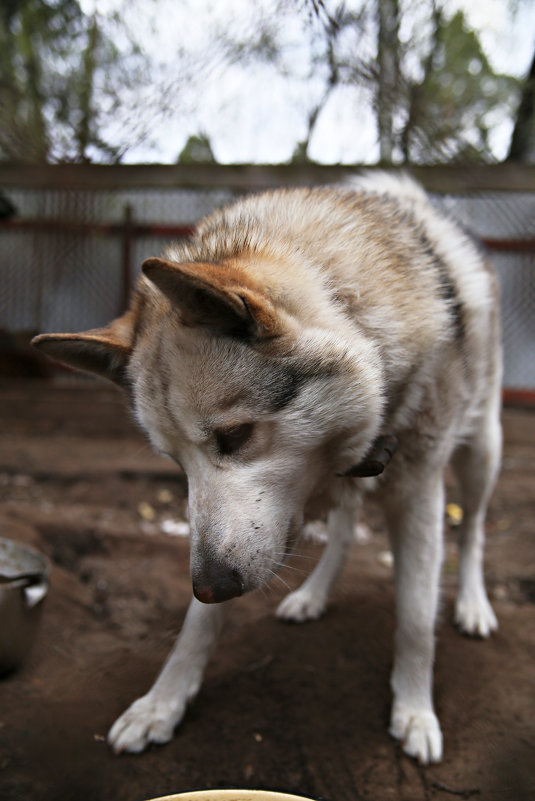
x=24, y=578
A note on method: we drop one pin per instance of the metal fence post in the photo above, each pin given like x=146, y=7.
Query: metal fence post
x=127, y=233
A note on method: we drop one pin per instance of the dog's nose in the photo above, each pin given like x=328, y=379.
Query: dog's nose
x=218, y=586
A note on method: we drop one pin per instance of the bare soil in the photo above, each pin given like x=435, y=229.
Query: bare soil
x=296, y=708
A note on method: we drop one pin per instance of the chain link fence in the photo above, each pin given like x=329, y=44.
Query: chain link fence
x=506, y=221
x=70, y=256
x=62, y=260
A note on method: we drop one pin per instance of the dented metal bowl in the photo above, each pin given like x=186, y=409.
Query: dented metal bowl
x=24, y=579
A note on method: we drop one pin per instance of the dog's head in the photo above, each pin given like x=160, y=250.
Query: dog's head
x=258, y=406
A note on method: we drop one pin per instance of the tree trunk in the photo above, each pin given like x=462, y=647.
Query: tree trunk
x=522, y=146
x=388, y=79
x=37, y=137
x=83, y=131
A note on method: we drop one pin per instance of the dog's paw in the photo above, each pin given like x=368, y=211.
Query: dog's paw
x=474, y=615
x=146, y=721
x=418, y=730
x=301, y=605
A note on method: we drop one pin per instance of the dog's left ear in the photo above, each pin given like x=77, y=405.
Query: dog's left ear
x=104, y=351
x=220, y=297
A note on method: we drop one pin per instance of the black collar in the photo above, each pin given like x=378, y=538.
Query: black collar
x=375, y=461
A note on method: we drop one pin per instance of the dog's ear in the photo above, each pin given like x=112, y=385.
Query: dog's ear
x=104, y=351
x=220, y=297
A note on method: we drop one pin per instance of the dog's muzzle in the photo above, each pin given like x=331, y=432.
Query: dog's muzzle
x=211, y=586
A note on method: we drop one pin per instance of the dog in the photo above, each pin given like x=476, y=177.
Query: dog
x=281, y=354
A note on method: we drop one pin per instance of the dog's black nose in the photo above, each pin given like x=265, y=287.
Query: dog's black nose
x=212, y=588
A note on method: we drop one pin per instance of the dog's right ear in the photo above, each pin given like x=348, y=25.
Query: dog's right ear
x=103, y=351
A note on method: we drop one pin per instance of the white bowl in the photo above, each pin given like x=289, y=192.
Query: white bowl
x=233, y=795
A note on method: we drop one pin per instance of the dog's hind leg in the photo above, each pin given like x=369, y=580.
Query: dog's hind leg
x=310, y=600
x=154, y=716
x=476, y=466
x=415, y=518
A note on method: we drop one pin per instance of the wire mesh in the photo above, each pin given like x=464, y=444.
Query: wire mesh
x=69, y=276
x=507, y=216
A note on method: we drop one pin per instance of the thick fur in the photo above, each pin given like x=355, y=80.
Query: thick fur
x=266, y=355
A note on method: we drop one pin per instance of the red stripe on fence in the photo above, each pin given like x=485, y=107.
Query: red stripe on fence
x=169, y=230
x=518, y=397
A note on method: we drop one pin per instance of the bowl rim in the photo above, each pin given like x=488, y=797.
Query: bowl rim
x=233, y=794
x=20, y=576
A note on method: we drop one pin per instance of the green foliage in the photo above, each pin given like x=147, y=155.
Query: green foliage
x=197, y=150
x=75, y=87
x=522, y=147
x=29, y=29
x=62, y=80
x=449, y=112
x=434, y=93
x=300, y=155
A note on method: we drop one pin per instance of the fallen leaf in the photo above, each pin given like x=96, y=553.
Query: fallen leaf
x=146, y=511
x=454, y=513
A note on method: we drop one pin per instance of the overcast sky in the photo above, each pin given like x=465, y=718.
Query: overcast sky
x=252, y=115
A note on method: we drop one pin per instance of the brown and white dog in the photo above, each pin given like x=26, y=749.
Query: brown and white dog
x=274, y=356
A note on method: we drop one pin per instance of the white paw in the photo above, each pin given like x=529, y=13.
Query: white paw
x=146, y=721
x=418, y=730
x=301, y=605
x=474, y=615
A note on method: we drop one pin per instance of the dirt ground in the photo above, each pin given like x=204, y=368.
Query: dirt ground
x=296, y=708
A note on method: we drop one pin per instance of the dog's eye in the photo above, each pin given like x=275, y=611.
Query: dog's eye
x=230, y=440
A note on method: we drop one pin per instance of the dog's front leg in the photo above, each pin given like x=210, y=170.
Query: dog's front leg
x=310, y=600
x=154, y=716
x=415, y=514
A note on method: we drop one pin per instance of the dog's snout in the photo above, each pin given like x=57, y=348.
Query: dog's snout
x=216, y=585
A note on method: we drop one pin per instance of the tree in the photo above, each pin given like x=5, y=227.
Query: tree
x=522, y=146
x=68, y=91
x=449, y=111
x=27, y=27
x=197, y=150
x=86, y=87
x=434, y=93
x=388, y=75
x=338, y=62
